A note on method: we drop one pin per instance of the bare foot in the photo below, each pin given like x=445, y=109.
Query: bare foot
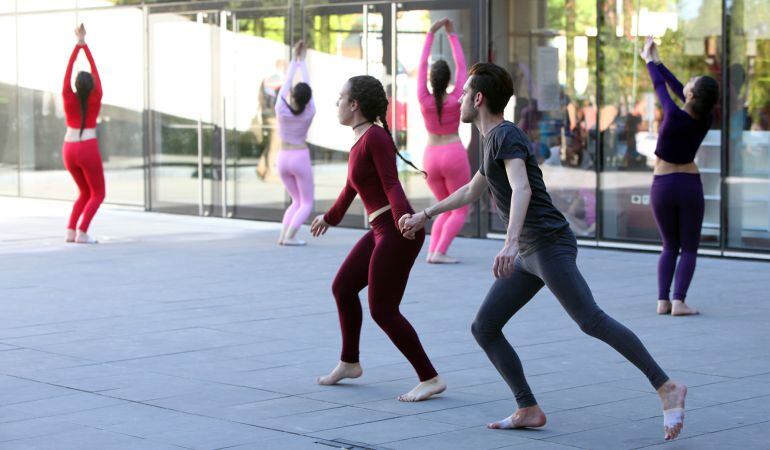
x=664, y=307
x=440, y=258
x=530, y=417
x=429, y=259
x=85, y=238
x=424, y=390
x=342, y=371
x=679, y=308
x=69, y=236
x=672, y=395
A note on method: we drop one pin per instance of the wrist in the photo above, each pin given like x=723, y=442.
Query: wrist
x=427, y=214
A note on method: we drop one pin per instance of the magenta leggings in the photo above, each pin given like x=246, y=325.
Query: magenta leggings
x=84, y=162
x=448, y=170
x=297, y=175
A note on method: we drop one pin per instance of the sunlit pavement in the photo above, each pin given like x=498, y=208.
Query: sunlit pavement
x=186, y=332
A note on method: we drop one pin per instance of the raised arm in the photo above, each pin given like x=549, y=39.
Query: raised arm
x=675, y=85
x=422, y=71
x=461, y=69
x=282, y=103
x=94, y=72
x=383, y=154
x=306, y=78
x=659, y=83
x=67, y=86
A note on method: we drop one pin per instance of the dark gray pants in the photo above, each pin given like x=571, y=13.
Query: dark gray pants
x=553, y=265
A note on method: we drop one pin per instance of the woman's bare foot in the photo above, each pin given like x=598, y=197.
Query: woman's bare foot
x=85, y=238
x=69, y=235
x=424, y=390
x=440, y=258
x=429, y=259
x=342, y=371
x=679, y=308
x=664, y=307
x=530, y=417
x=672, y=395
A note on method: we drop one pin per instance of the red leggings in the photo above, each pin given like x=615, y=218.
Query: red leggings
x=382, y=259
x=83, y=161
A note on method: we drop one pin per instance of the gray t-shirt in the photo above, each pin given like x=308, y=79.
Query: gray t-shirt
x=543, y=222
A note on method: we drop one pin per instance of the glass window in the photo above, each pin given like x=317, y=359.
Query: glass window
x=115, y=39
x=45, y=5
x=748, y=182
x=549, y=49
x=9, y=154
x=41, y=67
x=689, y=35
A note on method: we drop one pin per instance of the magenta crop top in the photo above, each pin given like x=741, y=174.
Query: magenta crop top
x=293, y=128
x=450, y=113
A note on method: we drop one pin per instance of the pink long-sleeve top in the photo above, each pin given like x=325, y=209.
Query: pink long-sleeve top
x=71, y=101
x=293, y=128
x=372, y=173
x=450, y=113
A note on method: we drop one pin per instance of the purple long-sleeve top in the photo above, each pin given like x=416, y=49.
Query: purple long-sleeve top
x=680, y=134
x=293, y=128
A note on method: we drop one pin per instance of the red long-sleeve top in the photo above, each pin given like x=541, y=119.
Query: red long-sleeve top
x=372, y=174
x=71, y=101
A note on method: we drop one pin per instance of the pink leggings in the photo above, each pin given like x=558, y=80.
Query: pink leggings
x=448, y=170
x=297, y=175
x=84, y=162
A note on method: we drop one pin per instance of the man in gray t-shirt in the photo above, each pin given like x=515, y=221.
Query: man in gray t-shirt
x=539, y=250
x=543, y=221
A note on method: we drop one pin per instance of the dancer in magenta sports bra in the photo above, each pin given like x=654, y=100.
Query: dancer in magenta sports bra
x=81, y=149
x=446, y=160
x=295, y=110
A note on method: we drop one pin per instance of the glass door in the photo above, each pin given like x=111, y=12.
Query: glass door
x=185, y=134
x=413, y=20
x=254, y=54
x=343, y=41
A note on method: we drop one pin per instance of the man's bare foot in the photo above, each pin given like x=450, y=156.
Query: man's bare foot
x=672, y=395
x=424, y=390
x=440, y=258
x=530, y=417
x=342, y=371
x=679, y=308
x=664, y=307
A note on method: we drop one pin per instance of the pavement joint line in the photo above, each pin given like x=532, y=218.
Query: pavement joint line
x=706, y=433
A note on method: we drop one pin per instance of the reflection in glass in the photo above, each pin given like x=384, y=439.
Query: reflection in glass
x=688, y=33
x=748, y=182
x=9, y=154
x=549, y=50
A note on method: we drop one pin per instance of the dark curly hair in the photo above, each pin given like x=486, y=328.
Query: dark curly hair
x=301, y=94
x=373, y=104
x=705, y=95
x=439, y=80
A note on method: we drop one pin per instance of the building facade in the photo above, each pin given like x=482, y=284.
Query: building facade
x=187, y=124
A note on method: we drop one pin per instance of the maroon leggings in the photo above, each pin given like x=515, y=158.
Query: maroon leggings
x=382, y=259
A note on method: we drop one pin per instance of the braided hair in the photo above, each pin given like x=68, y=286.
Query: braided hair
x=439, y=80
x=84, y=84
x=373, y=104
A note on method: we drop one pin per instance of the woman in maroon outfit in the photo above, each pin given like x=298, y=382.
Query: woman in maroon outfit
x=383, y=258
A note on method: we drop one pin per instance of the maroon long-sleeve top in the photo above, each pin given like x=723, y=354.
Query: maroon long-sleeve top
x=372, y=174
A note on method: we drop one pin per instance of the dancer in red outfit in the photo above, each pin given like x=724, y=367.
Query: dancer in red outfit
x=81, y=149
x=383, y=258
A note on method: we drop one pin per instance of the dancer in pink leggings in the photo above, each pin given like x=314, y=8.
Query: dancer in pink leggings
x=81, y=149
x=446, y=160
x=295, y=110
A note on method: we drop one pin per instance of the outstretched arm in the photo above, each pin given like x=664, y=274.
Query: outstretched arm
x=67, y=86
x=422, y=71
x=94, y=72
x=461, y=69
x=676, y=86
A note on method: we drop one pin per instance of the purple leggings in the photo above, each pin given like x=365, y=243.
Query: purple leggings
x=677, y=204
